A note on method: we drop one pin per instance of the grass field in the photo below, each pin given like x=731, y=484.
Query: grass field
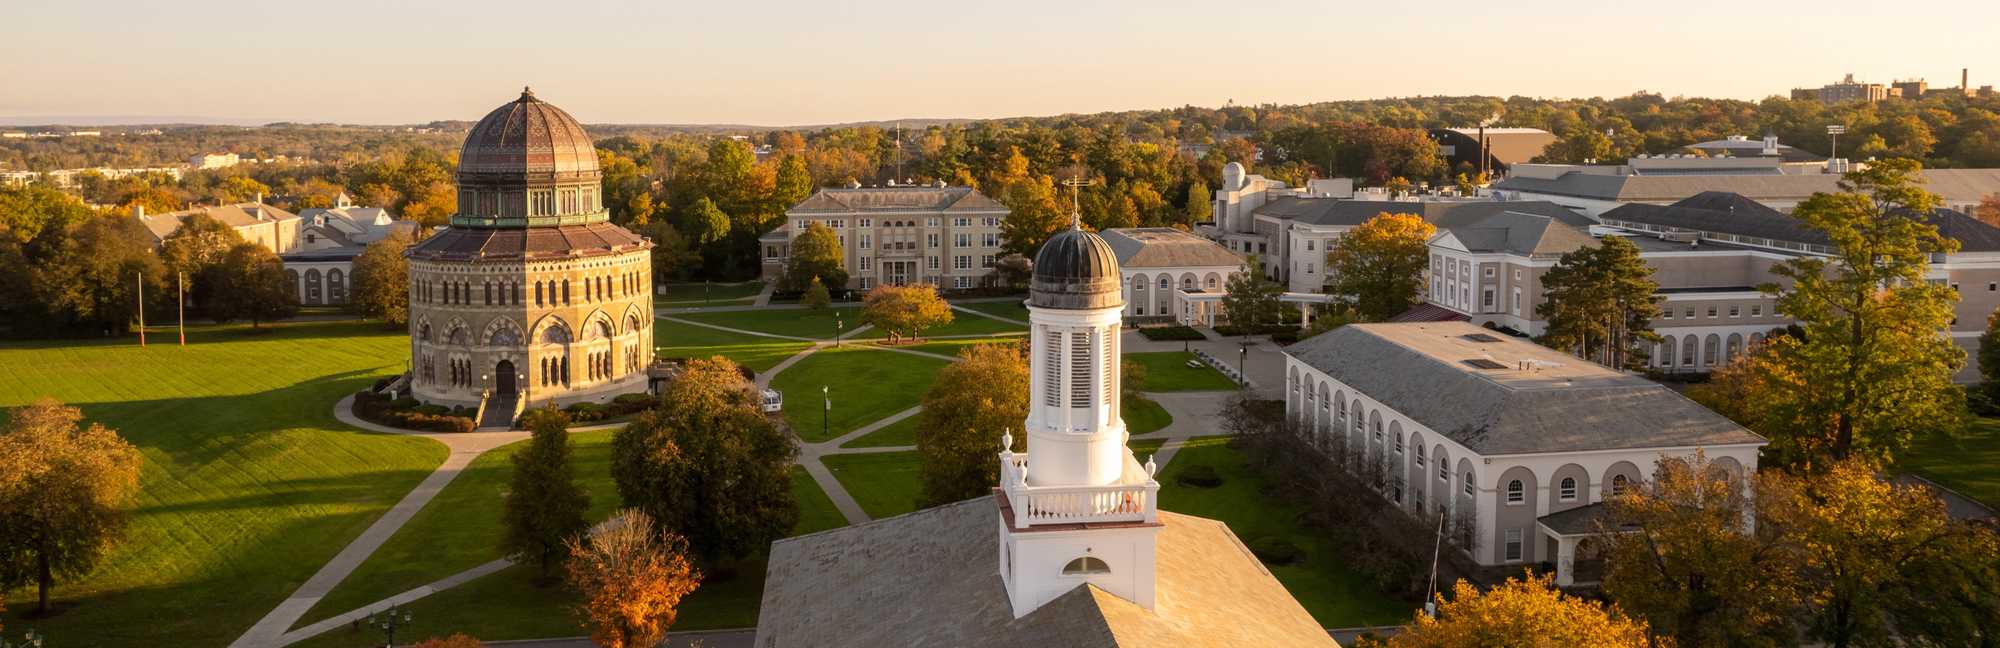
x=678, y=340
x=900, y=433
x=1144, y=416
x=865, y=384
x=951, y=347
x=1335, y=596
x=696, y=292
x=794, y=322
x=884, y=483
x=1010, y=309
x=248, y=485
x=1969, y=464
x=968, y=324
x=1167, y=371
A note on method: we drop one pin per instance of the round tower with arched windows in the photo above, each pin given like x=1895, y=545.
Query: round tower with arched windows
x=531, y=296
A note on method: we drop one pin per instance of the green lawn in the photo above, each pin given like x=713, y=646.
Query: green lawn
x=678, y=340
x=1011, y=309
x=885, y=483
x=795, y=322
x=900, y=433
x=697, y=291
x=968, y=324
x=1336, y=597
x=248, y=483
x=1144, y=448
x=1969, y=464
x=866, y=385
x=952, y=346
x=1144, y=416
x=1167, y=371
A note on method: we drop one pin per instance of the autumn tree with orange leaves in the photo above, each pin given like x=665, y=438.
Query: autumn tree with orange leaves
x=632, y=576
x=1524, y=612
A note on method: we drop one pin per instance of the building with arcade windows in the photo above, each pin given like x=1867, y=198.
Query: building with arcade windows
x=1070, y=550
x=531, y=296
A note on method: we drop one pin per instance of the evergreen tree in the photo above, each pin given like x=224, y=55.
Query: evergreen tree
x=1380, y=264
x=816, y=297
x=382, y=280
x=1600, y=304
x=707, y=222
x=1252, y=301
x=794, y=184
x=708, y=464
x=966, y=409
x=815, y=254
x=544, y=506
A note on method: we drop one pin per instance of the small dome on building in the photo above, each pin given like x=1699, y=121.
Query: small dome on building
x=527, y=136
x=1075, y=270
x=1232, y=176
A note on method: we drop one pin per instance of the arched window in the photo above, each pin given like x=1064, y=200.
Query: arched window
x=1618, y=485
x=1468, y=483
x=555, y=335
x=1568, y=490
x=505, y=337
x=1420, y=456
x=1516, y=492
x=1399, y=443
x=538, y=293
x=1085, y=566
x=1166, y=282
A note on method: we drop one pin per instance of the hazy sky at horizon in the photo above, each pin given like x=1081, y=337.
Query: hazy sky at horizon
x=786, y=62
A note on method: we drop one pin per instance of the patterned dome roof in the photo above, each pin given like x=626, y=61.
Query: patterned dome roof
x=1075, y=270
x=525, y=136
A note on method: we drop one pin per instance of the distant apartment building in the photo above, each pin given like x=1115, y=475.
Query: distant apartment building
x=71, y=178
x=1846, y=90
x=214, y=160
x=1709, y=252
x=897, y=235
x=1492, y=150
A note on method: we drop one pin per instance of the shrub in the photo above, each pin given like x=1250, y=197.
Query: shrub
x=406, y=402
x=432, y=410
x=1171, y=333
x=1199, y=476
x=1277, y=551
x=584, y=412
x=632, y=404
x=405, y=413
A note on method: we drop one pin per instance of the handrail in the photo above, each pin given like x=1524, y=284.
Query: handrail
x=1134, y=500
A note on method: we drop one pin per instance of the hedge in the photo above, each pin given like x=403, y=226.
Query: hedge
x=378, y=409
x=1171, y=333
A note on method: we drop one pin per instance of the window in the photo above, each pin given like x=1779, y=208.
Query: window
x=1487, y=271
x=1517, y=301
x=1568, y=490
x=1085, y=566
x=1666, y=313
x=1992, y=286
x=1468, y=483
x=932, y=262
x=867, y=263
x=1618, y=485
x=1444, y=472
x=961, y=282
x=985, y=260
x=961, y=222
x=961, y=262
x=1420, y=456
x=1517, y=274
x=989, y=240
x=1309, y=268
x=990, y=222
x=1399, y=443
x=1486, y=298
x=867, y=222
x=931, y=222
x=1757, y=310
x=1516, y=492
x=867, y=241
x=1711, y=312
x=1513, y=545
x=961, y=240
x=1309, y=245
x=1733, y=310
x=931, y=240
x=1689, y=313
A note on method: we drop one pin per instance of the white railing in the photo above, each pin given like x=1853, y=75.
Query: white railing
x=1135, y=499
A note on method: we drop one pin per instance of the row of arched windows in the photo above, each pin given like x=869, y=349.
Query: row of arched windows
x=513, y=293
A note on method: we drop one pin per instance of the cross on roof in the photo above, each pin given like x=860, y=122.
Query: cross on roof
x=1075, y=201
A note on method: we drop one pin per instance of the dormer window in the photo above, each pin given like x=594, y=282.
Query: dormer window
x=1086, y=566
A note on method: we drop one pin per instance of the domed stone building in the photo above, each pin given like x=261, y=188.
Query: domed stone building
x=531, y=295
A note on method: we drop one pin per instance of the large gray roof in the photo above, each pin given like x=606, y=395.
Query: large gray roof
x=1727, y=213
x=1518, y=233
x=1336, y=212
x=1565, y=404
x=1667, y=188
x=1166, y=247
x=932, y=578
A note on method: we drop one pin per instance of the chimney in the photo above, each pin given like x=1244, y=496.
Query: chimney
x=138, y=211
x=260, y=197
x=1770, y=144
x=1965, y=79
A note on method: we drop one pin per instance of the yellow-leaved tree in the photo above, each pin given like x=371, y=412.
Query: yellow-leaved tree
x=905, y=311
x=964, y=412
x=1522, y=612
x=1380, y=264
x=632, y=576
x=64, y=490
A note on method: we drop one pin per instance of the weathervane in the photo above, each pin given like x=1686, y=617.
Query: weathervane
x=1075, y=200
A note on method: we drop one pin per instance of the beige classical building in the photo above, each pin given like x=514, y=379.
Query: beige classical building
x=1516, y=444
x=1169, y=273
x=531, y=296
x=273, y=228
x=937, y=234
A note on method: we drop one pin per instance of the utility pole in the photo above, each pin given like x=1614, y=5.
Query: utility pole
x=181, y=303
x=140, y=279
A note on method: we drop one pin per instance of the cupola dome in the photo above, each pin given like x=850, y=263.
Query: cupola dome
x=1075, y=270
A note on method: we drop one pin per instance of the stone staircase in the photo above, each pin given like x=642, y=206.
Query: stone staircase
x=499, y=413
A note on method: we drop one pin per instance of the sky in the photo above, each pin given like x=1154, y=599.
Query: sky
x=793, y=62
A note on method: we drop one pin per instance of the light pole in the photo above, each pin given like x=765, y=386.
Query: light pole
x=838, y=326
x=1833, y=132
x=825, y=410
x=388, y=621
x=1242, y=368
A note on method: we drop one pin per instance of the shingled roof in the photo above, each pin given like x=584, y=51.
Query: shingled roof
x=892, y=199
x=932, y=578
x=567, y=241
x=1517, y=233
x=237, y=215
x=1559, y=404
x=1166, y=247
x=1727, y=213
x=1336, y=212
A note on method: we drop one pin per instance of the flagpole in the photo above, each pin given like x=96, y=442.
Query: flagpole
x=182, y=302
x=140, y=279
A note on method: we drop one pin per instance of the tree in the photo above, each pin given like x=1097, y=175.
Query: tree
x=1033, y=214
x=456, y=640
x=382, y=280
x=632, y=576
x=1252, y=300
x=671, y=255
x=1682, y=553
x=794, y=183
x=63, y=494
x=1015, y=269
x=1599, y=302
x=200, y=243
x=1380, y=264
x=815, y=253
x=1872, y=369
x=249, y=283
x=958, y=438
x=1522, y=612
x=905, y=311
x=707, y=222
x=1988, y=211
x=543, y=506
x=80, y=278
x=1200, y=205
x=27, y=210
x=708, y=464
x=816, y=297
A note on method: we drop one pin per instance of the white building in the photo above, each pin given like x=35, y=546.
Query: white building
x=213, y=160
x=1071, y=550
x=1171, y=273
x=329, y=239
x=1516, y=443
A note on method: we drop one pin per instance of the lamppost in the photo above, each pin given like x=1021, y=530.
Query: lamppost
x=388, y=621
x=1242, y=369
x=838, y=326
x=825, y=410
